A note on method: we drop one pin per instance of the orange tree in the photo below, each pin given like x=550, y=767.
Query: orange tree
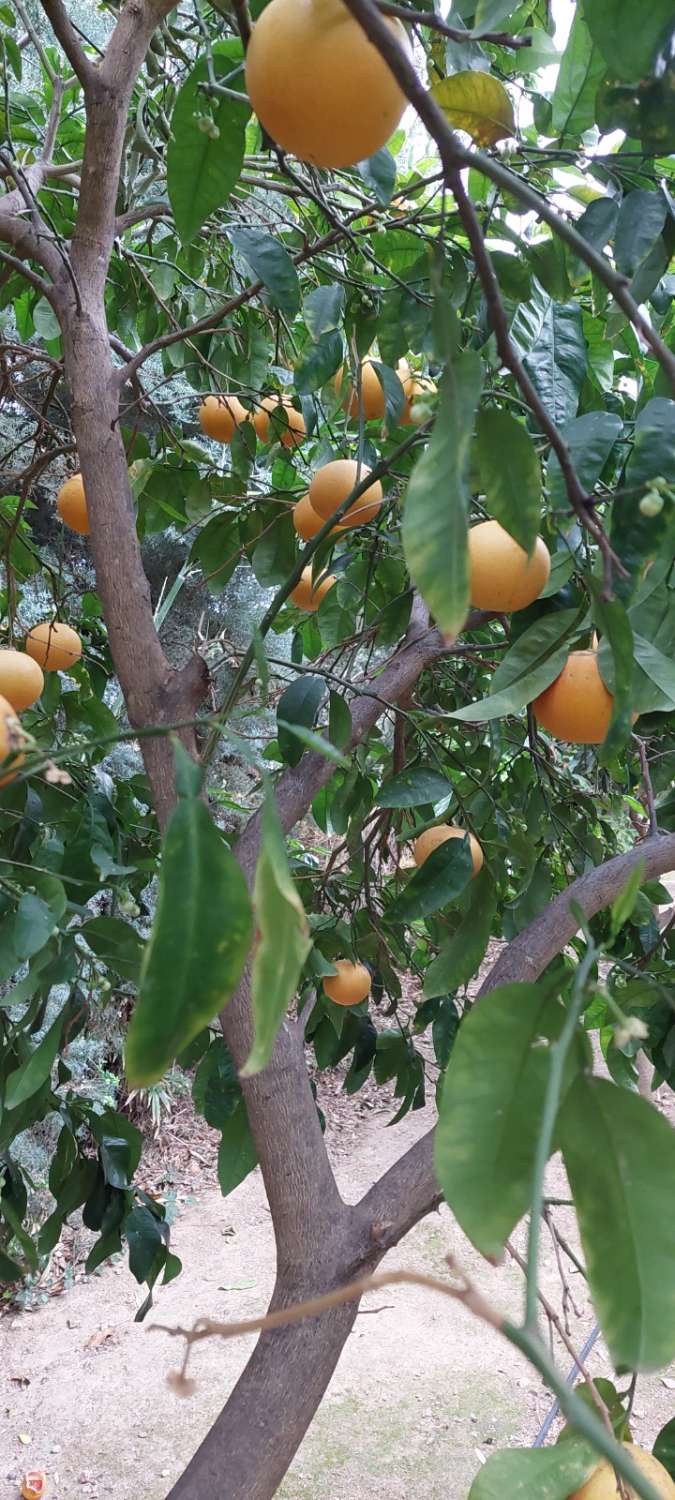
x=434, y=376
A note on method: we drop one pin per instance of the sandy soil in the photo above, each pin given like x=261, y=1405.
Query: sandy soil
x=422, y=1393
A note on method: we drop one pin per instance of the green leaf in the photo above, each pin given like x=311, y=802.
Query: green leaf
x=318, y=362
x=664, y=1447
x=379, y=174
x=510, y=474
x=558, y=359
x=201, y=171
x=275, y=554
x=147, y=1238
x=636, y=537
x=322, y=309
x=434, y=526
x=623, y=905
x=47, y=325
x=654, y=451
x=216, y=1090
x=461, y=955
x=659, y=669
x=535, y=1473
x=308, y=739
x=589, y=440
x=491, y=1106
x=272, y=264
x=490, y=14
x=237, y=1155
x=477, y=103
x=36, y=1068
x=116, y=943
x=33, y=925
x=642, y=216
x=339, y=721
x=283, y=938
x=414, y=787
x=442, y=877
x=619, y=1188
x=530, y=666
x=198, y=945
x=613, y=621
x=299, y=704
x=394, y=395
x=630, y=51
x=580, y=74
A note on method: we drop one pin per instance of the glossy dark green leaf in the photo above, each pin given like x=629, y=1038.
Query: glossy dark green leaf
x=322, y=309
x=629, y=50
x=558, y=359
x=33, y=925
x=379, y=174
x=619, y=1189
x=530, y=666
x=299, y=704
x=147, y=1238
x=491, y=1106
x=664, y=1447
x=37, y=1067
x=654, y=451
x=510, y=474
x=612, y=619
x=198, y=945
x=535, y=1473
x=116, y=944
x=203, y=168
x=589, y=440
x=394, y=396
x=318, y=361
x=116, y=1161
x=442, y=877
x=642, y=216
x=434, y=527
x=339, y=721
x=283, y=940
x=216, y=1090
x=271, y=263
x=598, y=222
x=414, y=787
x=582, y=69
x=237, y=1155
x=276, y=552
x=635, y=536
x=658, y=668
x=462, y=954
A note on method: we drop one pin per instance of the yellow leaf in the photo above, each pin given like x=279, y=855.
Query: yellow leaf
x=477, y=103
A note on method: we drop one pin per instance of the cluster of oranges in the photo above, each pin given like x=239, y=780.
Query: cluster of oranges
x=50, y=647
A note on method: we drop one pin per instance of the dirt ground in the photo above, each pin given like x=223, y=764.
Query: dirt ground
x=422, y=1394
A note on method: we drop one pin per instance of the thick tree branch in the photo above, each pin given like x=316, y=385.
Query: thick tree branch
x=409, y=1189
x=454, y=156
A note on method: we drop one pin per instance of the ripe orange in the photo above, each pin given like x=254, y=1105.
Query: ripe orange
x=318, y=85
x=433, y=837
x=220, y=416
x=290, y=427
x=576, y=707
x=415, y=387
x=21, y=679
x=350, y=985
x=11, y=740
x=305, y=519
x=306, y=597
x=372, y=394
x=502, y=576
x=71, y=504
x=334, y=482
x=602, y=1484
x=54, y=646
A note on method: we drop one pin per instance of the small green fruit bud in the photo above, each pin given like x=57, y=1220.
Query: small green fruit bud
x=651, y=504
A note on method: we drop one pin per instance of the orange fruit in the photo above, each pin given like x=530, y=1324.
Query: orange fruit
x=54, y=646
x=433, y=837
x=305, y=519
x=576, y=707
x=11, y=740
x=318, y=86
x=71, y=504
x=372, y=394
x=334, y=482
x=602, y=1484
x=502, y=576
x=220, y=416
x=307, y=597
x=350, y=985
x=416, y=386
x=21, y=679
x=291, y=434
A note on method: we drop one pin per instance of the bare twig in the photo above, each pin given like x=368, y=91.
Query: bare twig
x=433, y=22
x=647, y=784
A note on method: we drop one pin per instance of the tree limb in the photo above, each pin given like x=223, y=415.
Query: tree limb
x=409, y=1190
x=69, y=41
